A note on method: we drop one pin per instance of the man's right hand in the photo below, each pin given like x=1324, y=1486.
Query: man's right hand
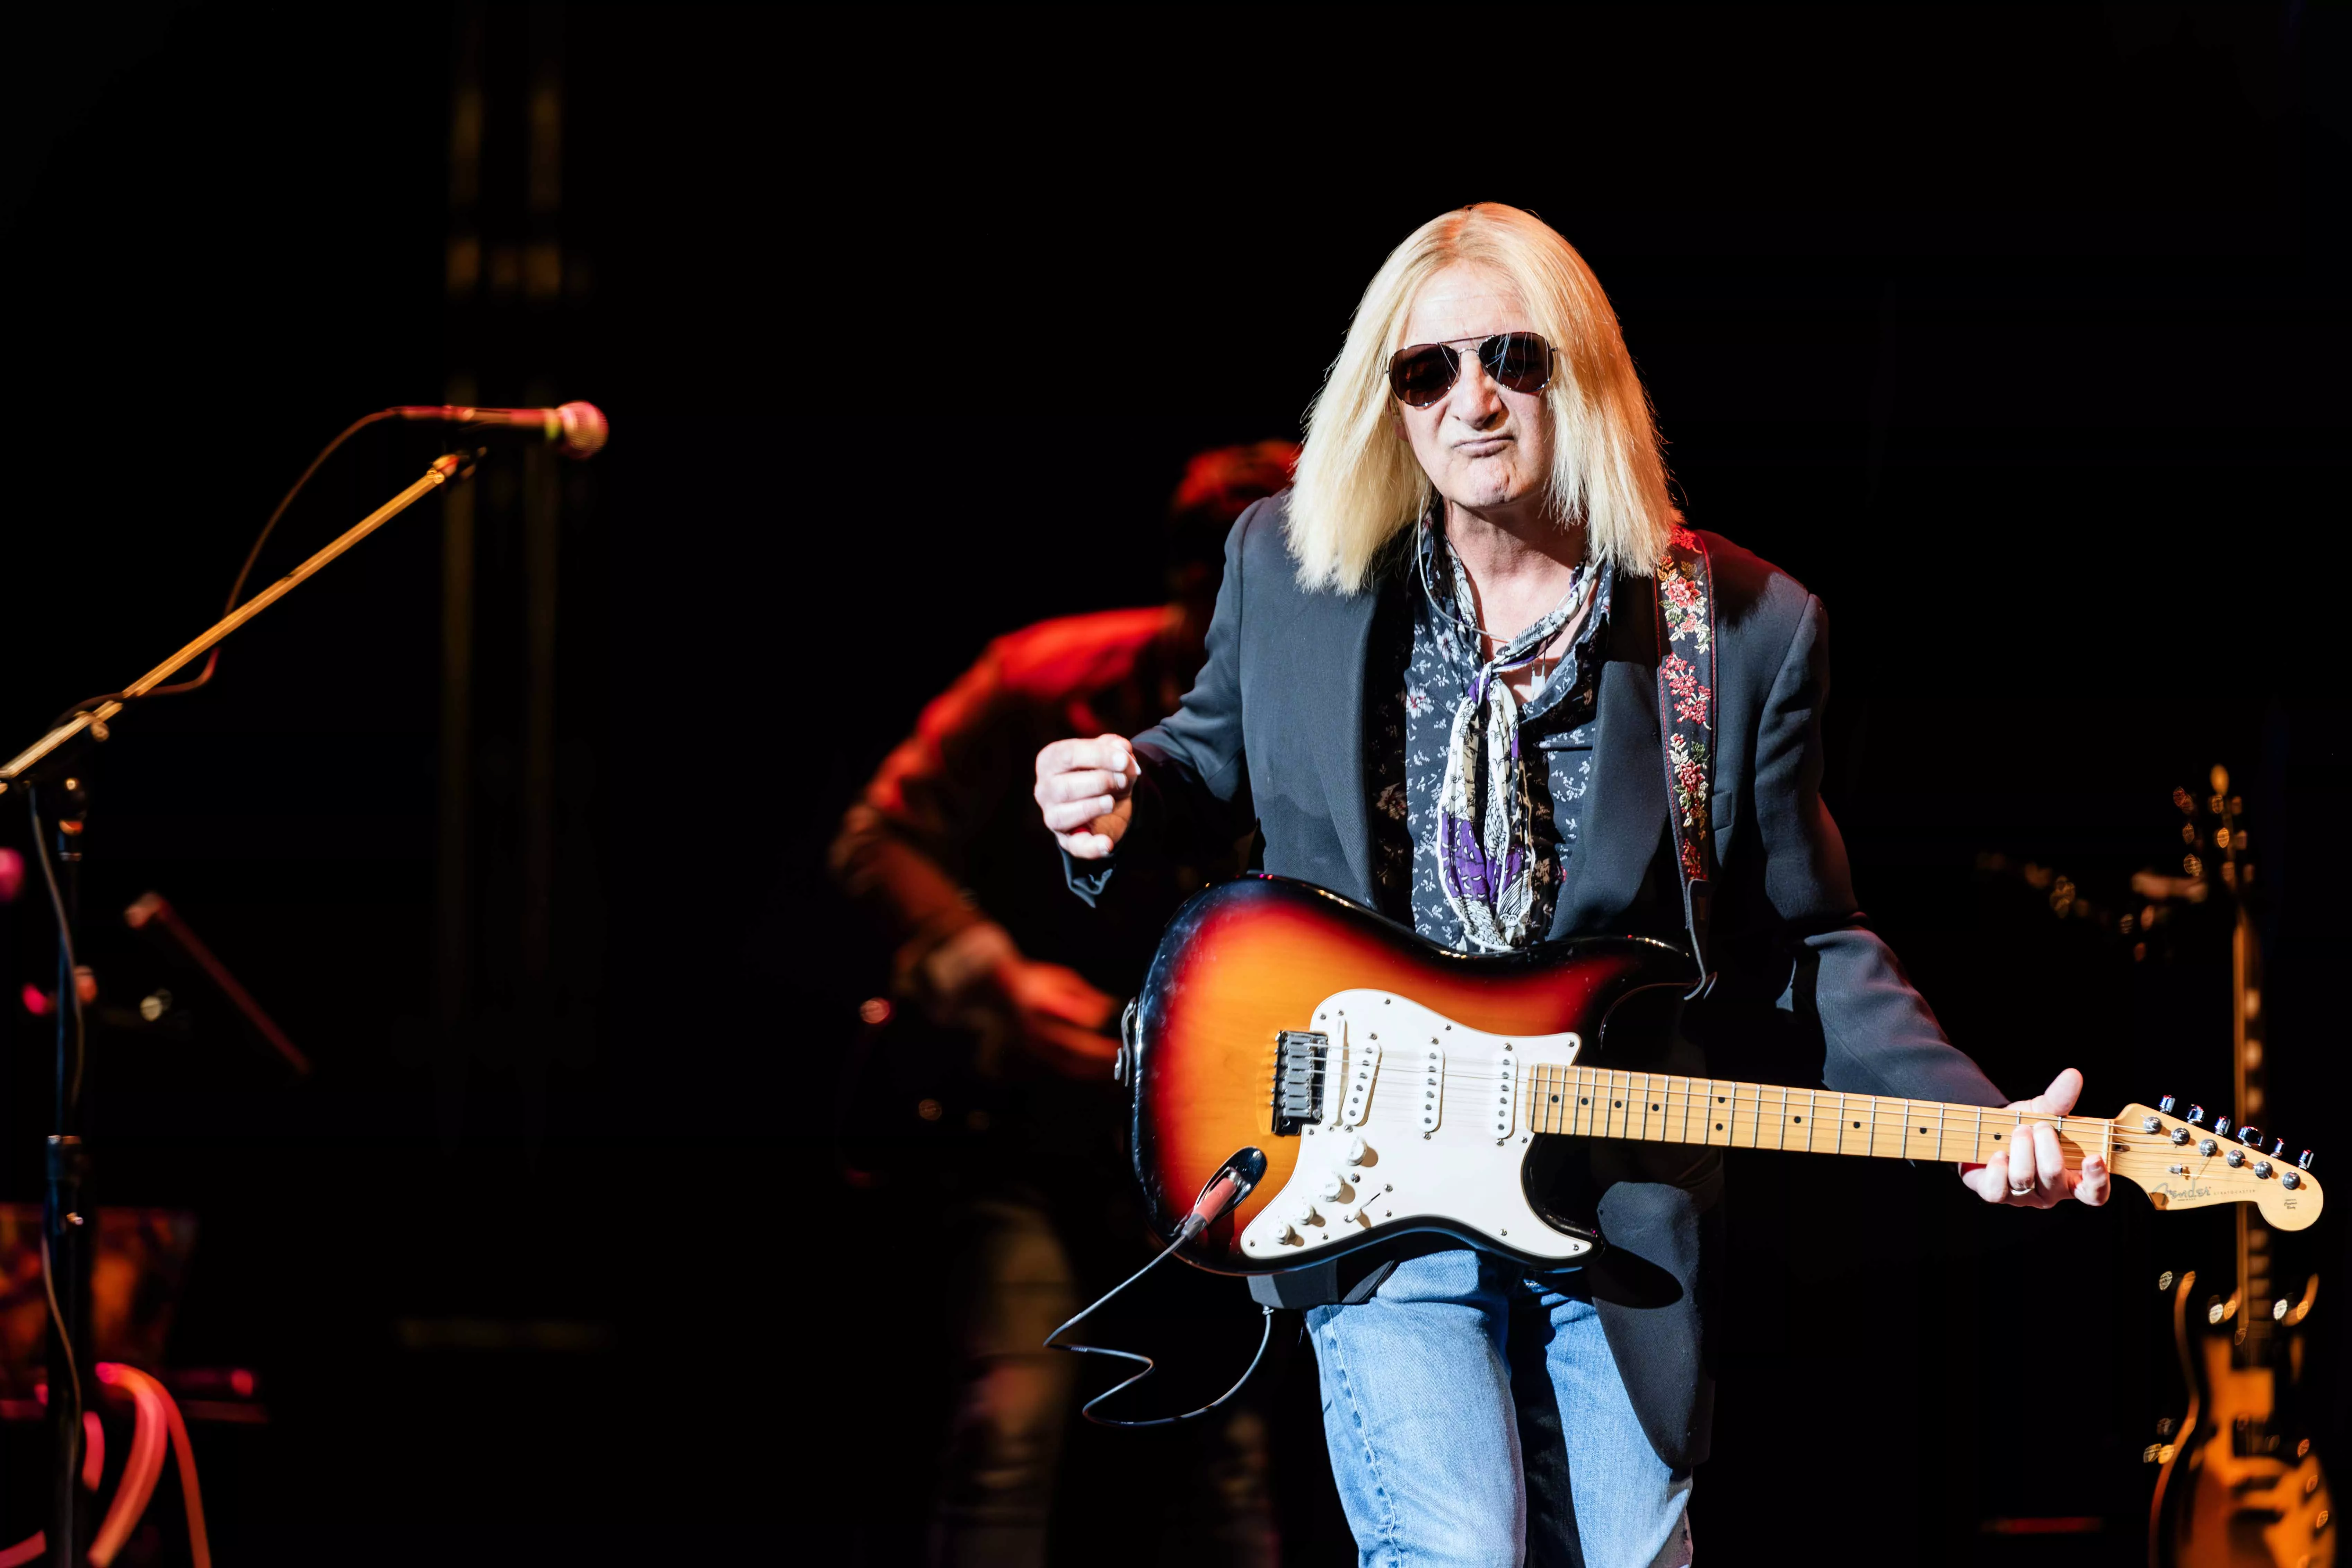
x=1085, y=789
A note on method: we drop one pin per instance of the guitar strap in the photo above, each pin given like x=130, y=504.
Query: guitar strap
x=1685, y=599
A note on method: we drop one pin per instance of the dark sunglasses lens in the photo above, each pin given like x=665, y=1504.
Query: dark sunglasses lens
x=1520, y=361
x=1420, y=376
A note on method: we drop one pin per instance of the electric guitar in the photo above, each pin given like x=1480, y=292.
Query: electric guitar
x=2242, y=1487
x=1366, y=1083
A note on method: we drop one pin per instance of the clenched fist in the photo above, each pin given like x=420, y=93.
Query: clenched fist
x=1084, y=792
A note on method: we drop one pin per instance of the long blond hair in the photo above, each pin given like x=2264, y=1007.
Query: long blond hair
x=1357, y=486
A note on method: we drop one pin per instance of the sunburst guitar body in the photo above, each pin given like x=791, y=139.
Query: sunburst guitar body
x=1392, y=1086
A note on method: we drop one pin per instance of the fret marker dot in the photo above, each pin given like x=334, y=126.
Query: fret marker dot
x=1857, y=1125
x=1719, y=1127
x=1922, y=1132
x=1796, y=1119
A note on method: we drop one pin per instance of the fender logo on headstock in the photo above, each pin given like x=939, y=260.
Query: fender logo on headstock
x=2165, y=1192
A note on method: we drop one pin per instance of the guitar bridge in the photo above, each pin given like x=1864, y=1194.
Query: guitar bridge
x=1298, y=1079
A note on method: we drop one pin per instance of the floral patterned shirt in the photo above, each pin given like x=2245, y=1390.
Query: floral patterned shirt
x=1422, y=665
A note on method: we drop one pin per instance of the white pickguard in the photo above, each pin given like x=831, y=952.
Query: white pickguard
x=1443, y=1130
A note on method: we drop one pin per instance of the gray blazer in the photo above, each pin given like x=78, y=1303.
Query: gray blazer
x=1271, y=735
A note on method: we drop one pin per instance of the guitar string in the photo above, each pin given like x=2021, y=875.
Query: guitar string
x=1747, y=1129
x=1402, y=1126
x=1683, y=1082
x=1883, y=1110
x=1586, y=1075
x=1749, y=1103
x=1747, y=1132
x=1757, y=1094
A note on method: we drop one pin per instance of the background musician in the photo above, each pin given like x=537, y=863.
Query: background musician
x=944, y=849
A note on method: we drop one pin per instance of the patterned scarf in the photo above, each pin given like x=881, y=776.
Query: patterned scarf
x=1485, y=849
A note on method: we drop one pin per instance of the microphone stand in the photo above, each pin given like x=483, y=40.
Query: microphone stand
x=69, y=1227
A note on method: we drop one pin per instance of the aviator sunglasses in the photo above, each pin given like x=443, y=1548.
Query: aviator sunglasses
x=1422, y=373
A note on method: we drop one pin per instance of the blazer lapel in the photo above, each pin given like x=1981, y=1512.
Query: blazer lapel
x=1337, y=639
x=1625, y=810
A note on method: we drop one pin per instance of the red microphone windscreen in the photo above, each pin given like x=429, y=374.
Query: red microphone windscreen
x=583, y=430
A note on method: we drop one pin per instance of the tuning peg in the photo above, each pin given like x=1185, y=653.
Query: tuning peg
x=2221, y=1127
x=2278, y=1149
x=2252, y=1137
x=2165, y=1104
x=2304, y=1163
x=2196, y=1116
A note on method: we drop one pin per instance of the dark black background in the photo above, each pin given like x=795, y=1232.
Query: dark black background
x=2015, y=332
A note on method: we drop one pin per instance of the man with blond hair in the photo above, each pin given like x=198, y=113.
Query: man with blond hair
x=1433, y=685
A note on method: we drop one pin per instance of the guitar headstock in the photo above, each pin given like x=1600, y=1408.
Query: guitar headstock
x=2148, y=1151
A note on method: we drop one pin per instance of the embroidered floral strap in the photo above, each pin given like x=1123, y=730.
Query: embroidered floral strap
x=1687, y=722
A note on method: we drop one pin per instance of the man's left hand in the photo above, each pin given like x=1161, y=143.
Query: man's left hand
x=2032, y=1173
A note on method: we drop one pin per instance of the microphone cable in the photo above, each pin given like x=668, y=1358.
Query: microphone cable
x=70, y=997
x=211, y=662
x=1211, y=1207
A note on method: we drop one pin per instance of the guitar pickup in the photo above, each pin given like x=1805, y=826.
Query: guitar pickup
x=1363, y=1064
x=1298, y=1078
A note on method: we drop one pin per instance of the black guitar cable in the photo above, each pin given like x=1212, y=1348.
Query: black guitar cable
x=1234, y=1180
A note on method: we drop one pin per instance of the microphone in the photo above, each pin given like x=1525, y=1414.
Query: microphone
x=578, y=430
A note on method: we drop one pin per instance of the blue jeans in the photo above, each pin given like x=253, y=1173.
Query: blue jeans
x=1475, y=1417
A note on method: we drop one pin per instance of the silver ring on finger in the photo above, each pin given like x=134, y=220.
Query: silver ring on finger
x=2024, y=1191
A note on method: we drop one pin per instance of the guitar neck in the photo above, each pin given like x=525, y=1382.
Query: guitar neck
x=1661, y=1108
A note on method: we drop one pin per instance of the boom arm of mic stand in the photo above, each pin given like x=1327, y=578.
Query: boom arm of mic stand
x=453, y=465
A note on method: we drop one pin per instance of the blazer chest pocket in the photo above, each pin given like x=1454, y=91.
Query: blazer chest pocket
x=1570, y=749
